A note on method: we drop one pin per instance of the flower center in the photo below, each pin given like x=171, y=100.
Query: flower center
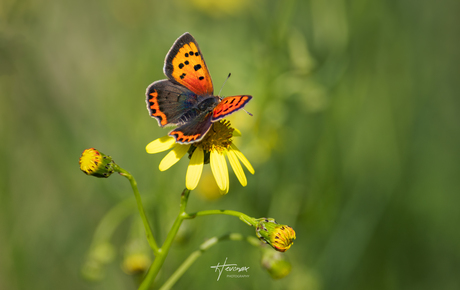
x=218, y=138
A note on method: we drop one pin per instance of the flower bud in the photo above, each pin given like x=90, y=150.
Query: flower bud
x=95, y=163
x=280, y=237
x=99, y=256
x=136, y=263
x=276, y=264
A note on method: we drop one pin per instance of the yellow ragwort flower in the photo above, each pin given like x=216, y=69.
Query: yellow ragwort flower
x=93, y=162
x=280, y=237
x=212, y=149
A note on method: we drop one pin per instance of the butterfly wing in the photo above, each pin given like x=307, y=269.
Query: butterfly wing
x=185, y=65
x=229, y=105
x=170, y=103
x=194, y=130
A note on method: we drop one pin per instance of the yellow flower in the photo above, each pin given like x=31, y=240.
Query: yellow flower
x=93, y=162
x=215, y=146
x=222, y=7
x=280, y=237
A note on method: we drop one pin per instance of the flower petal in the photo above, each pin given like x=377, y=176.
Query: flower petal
x=161, y=144
x=219, y=170
x=235, y=163
x=194, y=169
x=173, y=156
x=243, y=158
x=236, y=133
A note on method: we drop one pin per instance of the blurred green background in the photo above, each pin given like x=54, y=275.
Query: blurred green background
x=354, y=138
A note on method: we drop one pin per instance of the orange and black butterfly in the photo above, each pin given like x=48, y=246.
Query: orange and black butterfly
x=186, y=98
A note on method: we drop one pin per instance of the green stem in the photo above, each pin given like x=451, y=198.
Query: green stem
x=196, y=254
x=245, y=218
x=163, y=252
x=181, y=270
x=111, y=220
x=148, y=230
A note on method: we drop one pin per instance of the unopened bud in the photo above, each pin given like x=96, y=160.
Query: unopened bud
x=95, y=163
x=280, y=237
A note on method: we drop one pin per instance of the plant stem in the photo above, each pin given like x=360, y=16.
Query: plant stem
x=148, y=230
x=245, y=218
x=111, y=221
x=181, y=270
x=163, y=252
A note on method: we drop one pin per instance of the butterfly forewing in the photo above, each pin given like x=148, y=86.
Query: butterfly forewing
x=185, y=64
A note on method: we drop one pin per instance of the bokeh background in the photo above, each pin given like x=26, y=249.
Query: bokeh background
x=354, y=139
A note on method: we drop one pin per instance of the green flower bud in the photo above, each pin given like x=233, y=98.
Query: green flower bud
x=276, y=264
x=136, y=263
x=280, y=237
x=99, y=256
x=95, y=163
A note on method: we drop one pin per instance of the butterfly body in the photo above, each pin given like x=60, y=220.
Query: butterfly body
x=186, y=98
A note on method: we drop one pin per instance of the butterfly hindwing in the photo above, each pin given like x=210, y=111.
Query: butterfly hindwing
x=185, y=65
x=194, y=130
x=229, y=105
x=170, y=103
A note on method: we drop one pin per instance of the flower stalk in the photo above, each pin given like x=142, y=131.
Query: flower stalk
x=163, y=252
x=148, y=230
x=245, y=218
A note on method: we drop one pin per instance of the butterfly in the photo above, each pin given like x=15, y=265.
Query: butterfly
x=186, y=98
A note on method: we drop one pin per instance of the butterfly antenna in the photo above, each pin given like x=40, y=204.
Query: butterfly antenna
x=224, y=83
x=248, y=113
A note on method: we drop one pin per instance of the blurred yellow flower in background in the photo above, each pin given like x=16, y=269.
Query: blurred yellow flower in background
x=220, y=8
x=212, y=149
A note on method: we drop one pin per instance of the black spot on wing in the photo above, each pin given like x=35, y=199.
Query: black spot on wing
x=197, y=67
